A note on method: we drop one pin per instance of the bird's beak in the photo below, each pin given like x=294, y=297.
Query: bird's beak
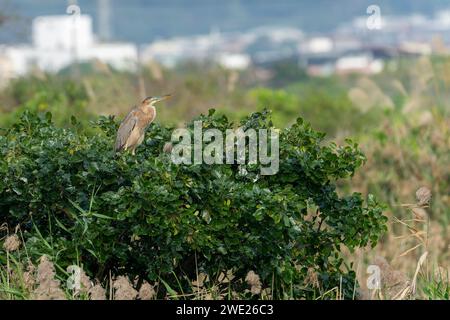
x=165, y=97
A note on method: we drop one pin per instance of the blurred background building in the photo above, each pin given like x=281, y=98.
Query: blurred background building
x=58, y=42
x=55, y=41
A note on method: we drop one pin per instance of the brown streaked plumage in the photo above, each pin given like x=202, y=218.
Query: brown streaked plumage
x=132, y=129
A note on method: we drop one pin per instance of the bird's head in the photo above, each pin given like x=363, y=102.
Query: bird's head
x=150, y=101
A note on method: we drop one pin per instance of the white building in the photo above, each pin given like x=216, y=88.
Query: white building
x=234, y=50
x=57, y=42
x=62, y=33
x=169, y=52
x=234, y=61
x=358, y=63
x=317, y=45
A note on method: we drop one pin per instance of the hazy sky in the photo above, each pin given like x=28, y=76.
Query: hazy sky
x=146, y=20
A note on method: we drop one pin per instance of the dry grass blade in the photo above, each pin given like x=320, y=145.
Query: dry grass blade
x=409, y=250
x=406, y=225
x=418, y=235
x=419, y=265
x=415, y=220
x=402, y=294
x=412, y=205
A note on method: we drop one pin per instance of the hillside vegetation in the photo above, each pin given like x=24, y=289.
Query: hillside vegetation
x=302, y=233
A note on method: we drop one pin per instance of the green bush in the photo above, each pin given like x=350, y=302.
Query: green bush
x=61, y=96
x=145, y=216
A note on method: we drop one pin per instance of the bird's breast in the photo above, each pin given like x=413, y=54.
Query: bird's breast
x=147, y=117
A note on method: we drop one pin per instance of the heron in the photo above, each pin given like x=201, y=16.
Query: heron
x=132, y=129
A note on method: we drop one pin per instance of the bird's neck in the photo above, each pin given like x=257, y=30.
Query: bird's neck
x=148, y=109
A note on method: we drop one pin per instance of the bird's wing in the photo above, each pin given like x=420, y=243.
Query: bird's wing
x=125, y=129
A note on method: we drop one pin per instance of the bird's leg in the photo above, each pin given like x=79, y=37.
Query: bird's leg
x=133, y=153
